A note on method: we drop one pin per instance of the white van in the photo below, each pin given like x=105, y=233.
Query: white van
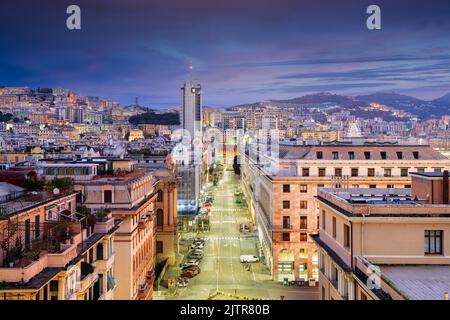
x=248, y=258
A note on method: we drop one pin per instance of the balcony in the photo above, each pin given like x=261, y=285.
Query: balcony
x=142, y=223
x=88, y=276
x=150, y=275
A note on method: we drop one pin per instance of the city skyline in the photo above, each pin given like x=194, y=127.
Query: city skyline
x=262, y=54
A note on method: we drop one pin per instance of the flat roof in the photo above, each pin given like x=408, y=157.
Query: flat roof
x=419, y=282
x=429, y=174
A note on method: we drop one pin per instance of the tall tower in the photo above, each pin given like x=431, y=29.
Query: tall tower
x=191, y=108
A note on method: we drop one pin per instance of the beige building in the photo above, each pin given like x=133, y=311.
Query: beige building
x=131, y=197
x=382, y=244
x=50, y=252
x=281, y=192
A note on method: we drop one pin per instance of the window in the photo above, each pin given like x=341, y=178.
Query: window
x=367, y=155
x=351, y=155
x=404, y=172
x=387, y=172
x=383, y=155
x=334, y=227
x=437, y=170
x=407, y=186
x=303, y=204
x=305, y=172
x=354, y=172
x=335, y=155
x=416, y=154
x=399, y=155
x=390, y=186
x=346, y=236
x=322, y=172
x=303, y=188
x=286, y=188
x=37, y=226
x=338, y=172
x=319, y=155
x=107, y=196
x=433, y=241
x=355, y=186
x=303, y=222
x=372, y=186
x=160, y=196
x=320, y=185
x=159, y=219
x=323, y=220
x=159, y=247
x=286, y=204
x=371, y=172
x=303, y=237
x=286, y=236
x=286, y=222
x=420, y=169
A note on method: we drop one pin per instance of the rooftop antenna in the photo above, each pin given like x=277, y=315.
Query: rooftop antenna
x=190, y=71
x=136, y=103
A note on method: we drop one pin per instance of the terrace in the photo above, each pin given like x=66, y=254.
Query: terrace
x=379, y=201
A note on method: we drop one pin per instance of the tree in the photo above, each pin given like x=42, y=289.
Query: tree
x=170, y=118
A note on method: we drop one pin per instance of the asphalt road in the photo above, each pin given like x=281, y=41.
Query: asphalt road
x=221, y=270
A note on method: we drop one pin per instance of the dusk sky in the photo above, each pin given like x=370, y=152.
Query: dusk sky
x=241, y=50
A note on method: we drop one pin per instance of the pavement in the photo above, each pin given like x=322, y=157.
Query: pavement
x=222, y=275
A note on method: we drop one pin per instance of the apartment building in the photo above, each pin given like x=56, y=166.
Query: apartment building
x=385, y=244
x=130, y=196
x=50, y=252
x=281, y=192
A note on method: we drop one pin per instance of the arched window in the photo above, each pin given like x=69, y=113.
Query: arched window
x=160, y=196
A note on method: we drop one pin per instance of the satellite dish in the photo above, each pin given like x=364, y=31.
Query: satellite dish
x=56, y=191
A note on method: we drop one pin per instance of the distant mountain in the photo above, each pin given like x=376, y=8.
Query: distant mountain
x=421, y=108
x=320, y=98
x=443, y=100
x=391, y=99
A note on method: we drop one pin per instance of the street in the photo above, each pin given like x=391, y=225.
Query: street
x=222, y=275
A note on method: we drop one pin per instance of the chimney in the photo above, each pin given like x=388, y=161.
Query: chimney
x=445, y=187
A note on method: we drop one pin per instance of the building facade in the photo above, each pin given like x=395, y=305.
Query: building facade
x=385, y=244
x=51, y=252
x=281, y=192
x=129, y=196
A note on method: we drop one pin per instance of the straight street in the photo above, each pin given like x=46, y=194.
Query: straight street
x=222, y=275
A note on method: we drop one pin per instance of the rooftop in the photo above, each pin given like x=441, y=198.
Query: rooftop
x=380, y=202
x=391, y=151
x=421, y=282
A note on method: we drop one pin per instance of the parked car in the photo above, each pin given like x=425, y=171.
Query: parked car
x=193, y=260
x=192, y=267
x=182, y=282
x=190, y=272
x=189, y=264
x=197, y=245
x=195, y=255
x=244, y=228
x=248, y=258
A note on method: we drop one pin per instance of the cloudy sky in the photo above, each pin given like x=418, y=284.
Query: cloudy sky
x=242, y=50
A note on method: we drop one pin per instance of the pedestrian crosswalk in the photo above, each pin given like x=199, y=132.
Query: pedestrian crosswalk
x=223, y=238
x=227, y=209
